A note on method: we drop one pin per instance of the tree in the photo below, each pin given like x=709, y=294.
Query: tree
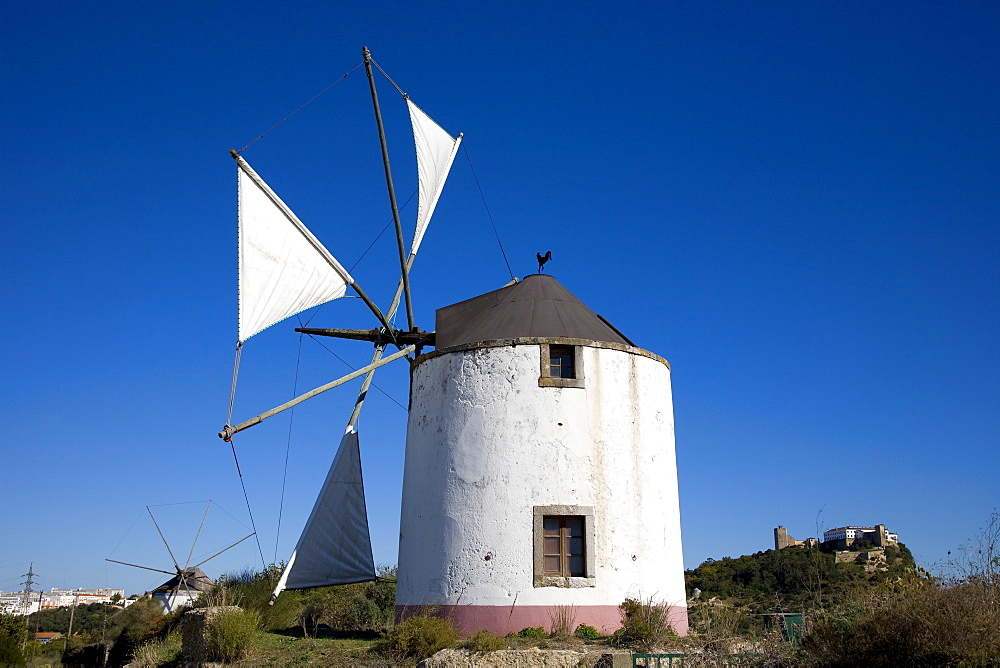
x=13, y=636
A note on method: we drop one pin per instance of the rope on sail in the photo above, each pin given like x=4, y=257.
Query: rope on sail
x=372, y=244
x=288, y=446
x=236, y=374
x=358, y=261
x=352, y=368
x=229, y=417
x=488, y=214
x=304, y=104
x=253, y=525
x=398, y=89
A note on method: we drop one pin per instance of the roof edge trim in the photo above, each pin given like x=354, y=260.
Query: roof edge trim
x=536, y=340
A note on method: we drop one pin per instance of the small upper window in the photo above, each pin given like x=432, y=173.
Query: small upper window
x=561, y=365
x=562, y=362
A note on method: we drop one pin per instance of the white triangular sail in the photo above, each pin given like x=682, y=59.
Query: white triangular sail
x=335, y=546
x=283, y=268
x=436, y=151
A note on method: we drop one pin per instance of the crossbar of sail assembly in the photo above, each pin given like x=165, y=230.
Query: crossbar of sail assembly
x=228, y=431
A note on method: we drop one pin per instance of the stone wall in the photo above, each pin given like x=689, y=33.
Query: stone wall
x=525, y=658
x=871, y=559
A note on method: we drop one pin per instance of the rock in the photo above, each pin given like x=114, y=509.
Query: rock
x=194, y=646
x=506, y=658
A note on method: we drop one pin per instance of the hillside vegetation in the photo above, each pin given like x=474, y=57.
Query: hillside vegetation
x=893, y=615
x=794, y=577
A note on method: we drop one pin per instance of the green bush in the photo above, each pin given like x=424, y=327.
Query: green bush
x=418, y=637
x=484, y=641
x=251, y=590
x=587, y=632
x=231, y=634
x=645, y=624
x=365, y=606
x=13, y=633
x=530, y=632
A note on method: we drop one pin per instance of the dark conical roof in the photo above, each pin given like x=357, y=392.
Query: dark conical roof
x=537, y=306
x=194, y=580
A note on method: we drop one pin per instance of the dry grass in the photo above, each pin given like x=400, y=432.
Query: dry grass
x=562, y=621
x=955, y=621
x=926, y=623
x=158, y=652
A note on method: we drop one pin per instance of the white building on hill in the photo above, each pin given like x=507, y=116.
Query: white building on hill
x=877, y=535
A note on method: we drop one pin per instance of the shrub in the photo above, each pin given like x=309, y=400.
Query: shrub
x=587, y=632
x=645, y=624
x=231, y=634
x=251, y=590
x=484, y=641
x=530, y=632
x=418, y=637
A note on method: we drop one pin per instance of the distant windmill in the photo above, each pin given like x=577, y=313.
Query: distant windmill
x=188, y=582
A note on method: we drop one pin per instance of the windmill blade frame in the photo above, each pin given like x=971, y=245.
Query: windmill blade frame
x=435, y=151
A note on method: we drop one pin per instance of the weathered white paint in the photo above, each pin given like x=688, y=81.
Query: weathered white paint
x=485, y=444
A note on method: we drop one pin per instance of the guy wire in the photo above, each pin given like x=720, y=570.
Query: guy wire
x=488, y=214
x=304, y=104
x=398, y=89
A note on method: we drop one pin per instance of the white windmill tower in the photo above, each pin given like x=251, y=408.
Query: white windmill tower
x=540, y=468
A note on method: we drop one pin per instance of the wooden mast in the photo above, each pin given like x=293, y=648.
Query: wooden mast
x=392, y=192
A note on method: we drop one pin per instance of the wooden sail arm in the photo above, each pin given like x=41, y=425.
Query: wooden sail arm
x=403, y=265
x=228, y=431
x=164, y=539
x=224, y=550
x=380, y=348
x=125, y=563
x=379, y=336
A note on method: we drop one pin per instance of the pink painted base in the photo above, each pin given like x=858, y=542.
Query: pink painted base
x=501, y=620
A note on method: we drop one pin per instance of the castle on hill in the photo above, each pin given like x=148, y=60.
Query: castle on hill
x=840, y=539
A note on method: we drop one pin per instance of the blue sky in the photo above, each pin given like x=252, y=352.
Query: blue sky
x=795, y=204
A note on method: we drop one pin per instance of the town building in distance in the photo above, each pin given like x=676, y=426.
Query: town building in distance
x=29, y=602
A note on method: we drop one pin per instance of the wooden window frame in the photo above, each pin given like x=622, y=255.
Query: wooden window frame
x=543, y=579
x=566, y=525
x=545, y=378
